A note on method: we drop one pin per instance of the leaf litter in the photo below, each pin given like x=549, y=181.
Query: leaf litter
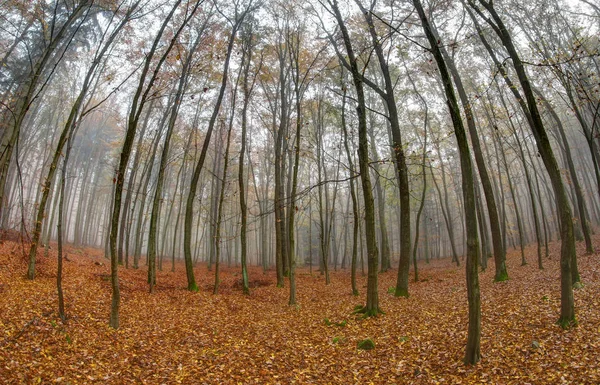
x=175, y=336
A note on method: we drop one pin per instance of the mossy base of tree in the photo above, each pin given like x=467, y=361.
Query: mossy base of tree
x=401, y=292
x=566, y=323
x=366, y=313
x=355, y=292
x=578, y=285
x=193, y=287
x=501, y=277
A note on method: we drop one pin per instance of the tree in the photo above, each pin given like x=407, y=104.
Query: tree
x=372, y=306
x=355, y=213
x=37, y=78
x=472, y=354
x=248, y=46
x=74, y=117
x=174, y=110
x=529, y=106
x=240, y=12
x=139, y=100
x=499, y=252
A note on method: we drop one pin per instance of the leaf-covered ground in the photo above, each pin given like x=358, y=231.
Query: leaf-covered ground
x=174, y=336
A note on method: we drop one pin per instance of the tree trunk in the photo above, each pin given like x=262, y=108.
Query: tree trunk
x=355, y=215
x=472, y=354
x=581, y=206
x=137, y=105
x=568, y=253
x=499, y=252
x=372, y=306
x=189, y=209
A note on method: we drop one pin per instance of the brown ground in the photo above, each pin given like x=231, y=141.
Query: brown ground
x=174, y=336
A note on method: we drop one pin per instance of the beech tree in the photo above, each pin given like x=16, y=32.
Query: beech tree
x=372, y=305
x=530, y=108
x=472, y=354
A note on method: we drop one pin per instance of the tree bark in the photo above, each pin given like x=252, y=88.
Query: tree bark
x=372, y=306
x=472, y=354
x=568, y=253
x=189, y=209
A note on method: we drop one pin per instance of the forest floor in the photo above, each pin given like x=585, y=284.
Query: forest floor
x=174, y=336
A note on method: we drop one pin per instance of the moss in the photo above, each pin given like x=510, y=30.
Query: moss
x=366, y=313
x=401, y=293
x=501, y=277
x=566, y=323
x=193, y=287
x=366, y=344
x=355, y=292
x=578, y=285
x=339, y=340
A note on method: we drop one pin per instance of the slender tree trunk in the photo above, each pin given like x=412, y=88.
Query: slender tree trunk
x=74, y=116
x=189, y=210
x=355, y=215
x=280, y=247
x=136, y=109
x=568, y=254
x=380, y=200
x=581, y=206
x=248, y=47
x=173, y=113
x=445, y=207
x=472, y=354
x=372, y=306
x=499, y=252
x=217, y=239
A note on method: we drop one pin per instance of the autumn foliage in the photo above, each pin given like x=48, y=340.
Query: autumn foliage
x=175, y=336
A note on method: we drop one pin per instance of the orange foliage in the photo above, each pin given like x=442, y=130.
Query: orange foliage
x=174, y=336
